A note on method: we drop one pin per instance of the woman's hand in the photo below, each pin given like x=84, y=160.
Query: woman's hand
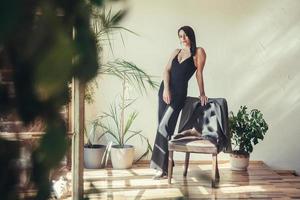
x=203, y=99
x=167, y=96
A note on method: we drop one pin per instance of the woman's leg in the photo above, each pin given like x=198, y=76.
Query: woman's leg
x=165, y=130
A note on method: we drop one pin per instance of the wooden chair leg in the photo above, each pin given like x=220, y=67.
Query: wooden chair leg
x=186, y=164
x=214, y=170
x=217, y=170
x=170, y=166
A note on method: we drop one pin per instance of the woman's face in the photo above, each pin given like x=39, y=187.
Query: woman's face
x=184, y=38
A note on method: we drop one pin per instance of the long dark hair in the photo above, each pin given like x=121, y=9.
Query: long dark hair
x=191, y=35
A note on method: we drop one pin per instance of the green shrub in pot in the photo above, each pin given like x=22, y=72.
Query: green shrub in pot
x=246, y=129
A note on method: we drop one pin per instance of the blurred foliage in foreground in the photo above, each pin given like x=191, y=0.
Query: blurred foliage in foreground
x=37, y=37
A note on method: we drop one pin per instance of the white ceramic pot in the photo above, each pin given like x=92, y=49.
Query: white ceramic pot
x=122, y=157
x=94, y=156
x=239, y=162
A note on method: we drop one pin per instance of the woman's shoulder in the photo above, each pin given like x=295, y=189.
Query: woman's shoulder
x=200, y=51
x=174, y=53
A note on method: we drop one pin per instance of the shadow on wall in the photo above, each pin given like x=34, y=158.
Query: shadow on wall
x=266, y=58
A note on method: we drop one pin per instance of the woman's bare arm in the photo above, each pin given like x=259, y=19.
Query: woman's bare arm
x=166, y=78
x=200, y=62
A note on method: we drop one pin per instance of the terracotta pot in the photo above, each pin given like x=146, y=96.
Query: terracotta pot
x=122, y=156
x=239, y=162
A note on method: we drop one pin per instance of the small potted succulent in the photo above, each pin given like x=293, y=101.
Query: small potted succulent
x=246, y=129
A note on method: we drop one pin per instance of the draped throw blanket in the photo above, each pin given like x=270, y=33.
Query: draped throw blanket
x=205, y=122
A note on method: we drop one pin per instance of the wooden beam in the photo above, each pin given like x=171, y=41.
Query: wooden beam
x=78, y=139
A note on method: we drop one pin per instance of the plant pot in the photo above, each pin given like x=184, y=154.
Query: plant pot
x=122, y=156
x=239, y=162
x=94, y=156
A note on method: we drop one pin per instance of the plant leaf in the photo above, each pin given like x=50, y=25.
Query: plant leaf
x=130, y=120
x=132, y=74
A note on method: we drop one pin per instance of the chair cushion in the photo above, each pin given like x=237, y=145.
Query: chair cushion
x=195, y=146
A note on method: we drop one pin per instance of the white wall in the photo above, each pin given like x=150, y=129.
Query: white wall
x=253, y=51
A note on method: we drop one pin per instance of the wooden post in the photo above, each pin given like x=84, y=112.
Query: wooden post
x=77, y=139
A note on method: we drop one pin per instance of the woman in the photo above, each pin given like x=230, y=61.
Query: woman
x=172, y=94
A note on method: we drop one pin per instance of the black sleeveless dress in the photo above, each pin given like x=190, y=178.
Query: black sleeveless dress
x=180, y=74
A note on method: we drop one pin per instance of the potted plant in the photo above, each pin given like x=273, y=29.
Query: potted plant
x=115, y=123
x=105, y=25
x=118, y=127
x=95, y=154
x=246, y=129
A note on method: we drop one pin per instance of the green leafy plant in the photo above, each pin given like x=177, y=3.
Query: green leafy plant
x=49, y=57
x=92, y=136
x=130, y=74
x=114, y=122
x=116, y=125
x=246, y=128
x=105, y=25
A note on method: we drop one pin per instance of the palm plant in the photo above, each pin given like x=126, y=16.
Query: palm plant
x=128, y=72
x=114, y=122
x=105, y=24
